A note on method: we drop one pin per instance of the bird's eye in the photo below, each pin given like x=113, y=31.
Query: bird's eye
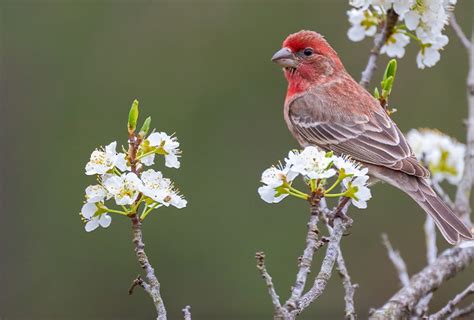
x=307, y=52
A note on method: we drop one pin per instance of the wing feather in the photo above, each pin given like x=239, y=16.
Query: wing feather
x=371, y=138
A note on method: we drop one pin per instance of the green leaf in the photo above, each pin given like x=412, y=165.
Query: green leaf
x=133, y=116
x=145, y=127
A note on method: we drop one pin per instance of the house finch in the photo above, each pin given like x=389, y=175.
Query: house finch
x=327, y=108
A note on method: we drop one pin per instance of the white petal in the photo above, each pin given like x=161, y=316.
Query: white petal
x=267, y=194
x=412, y=19
x=91, y=225
x=148, y=160
x=105, y=220
x=356, y=33
x=88, y=210
x=171, y=161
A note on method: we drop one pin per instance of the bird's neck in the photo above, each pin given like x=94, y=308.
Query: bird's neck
x=301, y=80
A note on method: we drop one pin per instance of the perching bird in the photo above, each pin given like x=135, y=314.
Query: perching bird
x=327, y=108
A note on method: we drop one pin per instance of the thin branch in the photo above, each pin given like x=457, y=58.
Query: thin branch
x=138, y=281
x=326, y=267
x=152, y=285
x=458, y=31
x=431, y=254
x=349, y=288
x=152, y=280
x=187, y=313
x=260, y=257
x=460, y=313
x=449, y=308
x=462, y=202
x=397, y=261
x=379, y=40
x=312, y=244
x=451, y=262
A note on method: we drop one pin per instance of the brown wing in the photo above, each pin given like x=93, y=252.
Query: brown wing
x=372, y=138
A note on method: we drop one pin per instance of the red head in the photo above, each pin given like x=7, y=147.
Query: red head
x=307, y=59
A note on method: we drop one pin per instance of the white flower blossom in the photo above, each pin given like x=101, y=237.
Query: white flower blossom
x=423, y=20
x=168, y=145
x=429, y=56
x=95, y=193
x=395, y=46
x=360, y=192
x=273, y=178
x=161, y=189
x=443, y=155
x=364, y=23
x=312, y=163
x=94, y=220
x=124, y=188
x=102, y=161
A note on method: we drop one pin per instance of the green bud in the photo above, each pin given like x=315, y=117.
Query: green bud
x=145, y=127
x=133, y=116
x=376, y=93
x=387, y=86
x=391, y=69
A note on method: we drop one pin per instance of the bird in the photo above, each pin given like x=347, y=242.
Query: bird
x=325, y=107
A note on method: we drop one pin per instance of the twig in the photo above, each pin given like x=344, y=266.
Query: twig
x=449, y=308
x=312, y=244
x=187, y=313
x=431, y=254
x=326, y=267
x=349, y=288
x=379, y=41
x=138, y=281
x=152, y=280
x=458, y=31
x=451, y=262
x=260, y=257
x=152, y=285
x=397, y=261
x=462, y=201
x=459, y=313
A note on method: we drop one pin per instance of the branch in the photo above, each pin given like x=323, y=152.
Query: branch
x=449, y=308
x=462, y=203
x=152, y=280
x=187, y=313
x=312, y=244
x=459, y=313
x=152, y=285
x=451, y=262
x=349, y=288
x=397, y=261
x=458, y=31
x=379, y=40
x=431, y=254
x=260, y=257
x=326, y=267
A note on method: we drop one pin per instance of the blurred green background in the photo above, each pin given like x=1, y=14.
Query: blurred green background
x=69, y=71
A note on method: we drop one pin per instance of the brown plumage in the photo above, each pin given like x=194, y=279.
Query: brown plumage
x=327, y=108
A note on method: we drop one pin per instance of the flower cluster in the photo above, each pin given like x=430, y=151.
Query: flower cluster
x=124, y=179
x=316, y=167
x=421, y=20
x=443, y=155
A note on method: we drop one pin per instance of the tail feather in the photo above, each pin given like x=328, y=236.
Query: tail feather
x=419, y=190
x=447, y=221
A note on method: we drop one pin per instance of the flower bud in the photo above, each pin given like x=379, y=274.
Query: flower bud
x=133, y=116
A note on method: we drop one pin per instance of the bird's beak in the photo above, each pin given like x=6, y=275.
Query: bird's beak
x=285, y=58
